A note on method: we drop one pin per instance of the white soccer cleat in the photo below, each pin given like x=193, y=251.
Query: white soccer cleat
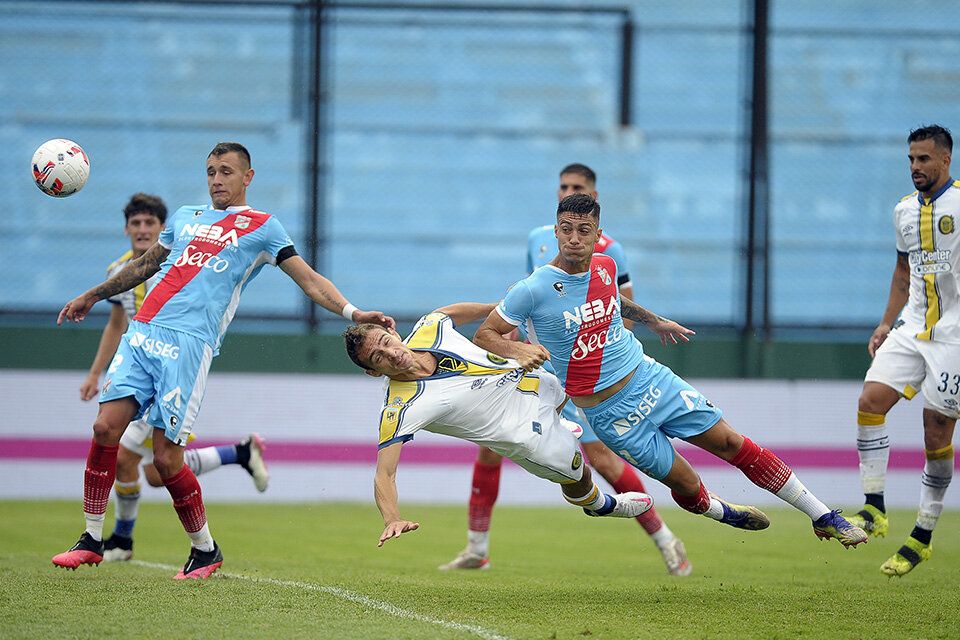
x=628, y=505
x=467, y=560
x=675, y=557
x=254, y=461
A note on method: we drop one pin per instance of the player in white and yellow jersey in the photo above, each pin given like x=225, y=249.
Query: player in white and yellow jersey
x=920, y=351
x=439, y=381
x=145, y=217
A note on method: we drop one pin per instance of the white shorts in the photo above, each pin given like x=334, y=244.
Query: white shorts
x=908, y=365
x=138, y=437
x=557, y=456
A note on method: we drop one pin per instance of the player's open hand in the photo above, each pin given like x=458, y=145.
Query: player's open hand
x=76, y=310
x=394, y=529
x=532, y=356
x=879, y=336
x=90, y=387
x=670, y=331
x=376, y=317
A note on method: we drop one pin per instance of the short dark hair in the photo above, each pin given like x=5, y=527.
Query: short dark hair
x=146, y=203
x=941, y=136
x=353, y=338
x=226, y=147
x=579, y=203
x=582, y=169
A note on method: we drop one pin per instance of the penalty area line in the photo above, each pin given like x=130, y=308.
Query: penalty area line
x=346, y=594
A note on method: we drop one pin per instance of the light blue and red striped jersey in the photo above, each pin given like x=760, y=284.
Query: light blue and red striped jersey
x=577, y=318
x=213, y=255
x=542, y=248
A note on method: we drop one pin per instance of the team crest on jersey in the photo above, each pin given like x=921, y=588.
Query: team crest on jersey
x=604, y=275
x=558, y=286
x=946, y=224
x=494, y=358
x=173, y=421
x=577, y=461
x=198, y=213
x=242, y=222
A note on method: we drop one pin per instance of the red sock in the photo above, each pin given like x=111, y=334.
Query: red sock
x=483, y=495
x=761, y=466
x=695, y=504
x=630, y=480
x=98, y=477
x=187, y=499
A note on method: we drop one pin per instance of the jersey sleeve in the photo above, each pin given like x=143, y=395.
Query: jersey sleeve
x=516, y=306
x=901, y=243
x=277, y=239
x=167, y=234
x=397, y=420
x=615, y=251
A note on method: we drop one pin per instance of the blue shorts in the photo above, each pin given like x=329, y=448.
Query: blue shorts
x=655, y=404
x=165, y=371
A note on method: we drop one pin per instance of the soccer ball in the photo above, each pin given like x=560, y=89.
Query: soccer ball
x=60, y=168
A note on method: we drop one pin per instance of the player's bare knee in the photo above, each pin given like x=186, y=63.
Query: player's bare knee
x=105, y=433
x=604, y=461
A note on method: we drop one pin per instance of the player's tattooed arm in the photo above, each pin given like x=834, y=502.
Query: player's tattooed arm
x=632, y=311
x=668, y=330
x=134, y=273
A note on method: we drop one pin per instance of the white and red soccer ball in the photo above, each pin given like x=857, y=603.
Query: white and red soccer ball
x=60, y=167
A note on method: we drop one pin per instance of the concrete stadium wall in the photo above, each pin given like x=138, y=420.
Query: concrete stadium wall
x=321, y=433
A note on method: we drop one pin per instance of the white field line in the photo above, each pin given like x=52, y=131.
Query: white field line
x=359, y=598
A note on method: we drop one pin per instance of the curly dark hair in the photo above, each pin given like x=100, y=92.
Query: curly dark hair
x=146, y=203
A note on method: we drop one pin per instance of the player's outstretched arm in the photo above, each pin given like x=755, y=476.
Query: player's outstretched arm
x=325, y=293
x=666, y=329
x=899, y=293
x=109, y=341
x=490, y=336
x=135, y=272
x=463, y=312
x=385, y=493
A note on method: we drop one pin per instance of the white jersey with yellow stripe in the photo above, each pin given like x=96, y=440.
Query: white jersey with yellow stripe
x=927, y=235
x=131, y=299
x=473, y=394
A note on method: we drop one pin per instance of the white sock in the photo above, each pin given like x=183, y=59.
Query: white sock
x=873, y=446
x=95, y=524
x=794, y=493
x=202, y=539
x=202, y=460
x=478, y=542
x=592, y=500
x=128, y=499
x=662, y=536
x=716, y=509
x=937, y=474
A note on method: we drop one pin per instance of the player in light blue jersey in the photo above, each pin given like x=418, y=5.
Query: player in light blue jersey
x=205, y=258
x=485, y=483
x=145, y=216
x=634, y=403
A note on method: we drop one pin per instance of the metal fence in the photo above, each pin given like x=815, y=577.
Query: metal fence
x=749, y=153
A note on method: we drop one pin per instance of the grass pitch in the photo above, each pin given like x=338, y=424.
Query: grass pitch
x=314, y=571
